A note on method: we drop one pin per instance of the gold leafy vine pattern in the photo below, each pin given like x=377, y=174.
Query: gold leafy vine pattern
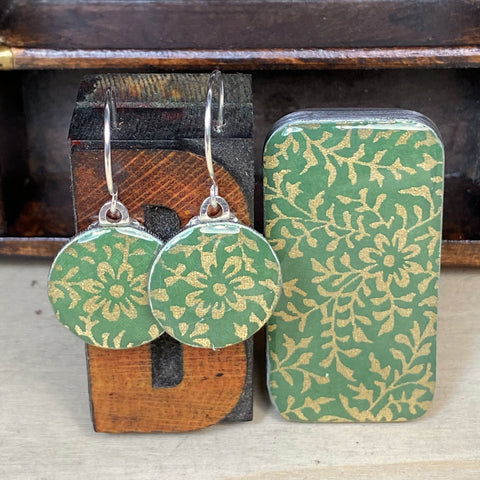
x=90, y=286
x=223, y=297
x=383, y=243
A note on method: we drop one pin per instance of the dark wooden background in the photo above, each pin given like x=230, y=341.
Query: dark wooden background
x=204, y=24
x=419, y=55
x=36, y=108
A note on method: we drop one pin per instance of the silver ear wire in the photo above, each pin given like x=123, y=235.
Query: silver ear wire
x=215, y=77
x=109, y=119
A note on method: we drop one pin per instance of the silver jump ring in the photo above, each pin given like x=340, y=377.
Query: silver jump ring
x=216, y=76
x=225, y=210
x=121, y=211
x=109, y=118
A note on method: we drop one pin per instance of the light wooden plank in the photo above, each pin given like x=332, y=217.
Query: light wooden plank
x=46, y=430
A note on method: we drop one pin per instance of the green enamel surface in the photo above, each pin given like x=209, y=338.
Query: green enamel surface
x=214, y=284
x=353, y=212
x=98, y=286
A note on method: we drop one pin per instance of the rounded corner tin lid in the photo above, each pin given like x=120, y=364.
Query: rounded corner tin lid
x=97, y=286
x=385, y=117
x=355, y=215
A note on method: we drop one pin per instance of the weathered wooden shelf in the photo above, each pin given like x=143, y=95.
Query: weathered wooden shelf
x=238, y=24
x=244, y=59
x=31, y=246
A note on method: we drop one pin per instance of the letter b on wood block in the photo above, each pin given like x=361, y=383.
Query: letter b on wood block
x=158, y=170
x=124, y=399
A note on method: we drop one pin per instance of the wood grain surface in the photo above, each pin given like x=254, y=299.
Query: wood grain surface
x=461, y=254
x=31, y=246
x=228, y=24
x=123, y=399
x=175, y=179
x=164, y=189
x=251, y=59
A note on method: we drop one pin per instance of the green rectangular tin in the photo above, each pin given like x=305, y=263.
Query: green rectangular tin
x=353, y=209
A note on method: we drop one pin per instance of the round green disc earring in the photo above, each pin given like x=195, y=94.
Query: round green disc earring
x=218, y=281
x=98, y=282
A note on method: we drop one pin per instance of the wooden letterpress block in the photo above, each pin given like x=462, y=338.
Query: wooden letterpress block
x=164, y=386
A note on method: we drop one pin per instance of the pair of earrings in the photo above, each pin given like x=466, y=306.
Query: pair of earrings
x=214, y=284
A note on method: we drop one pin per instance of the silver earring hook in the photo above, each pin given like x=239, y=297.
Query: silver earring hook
x=109, y=119
x=215, y=77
